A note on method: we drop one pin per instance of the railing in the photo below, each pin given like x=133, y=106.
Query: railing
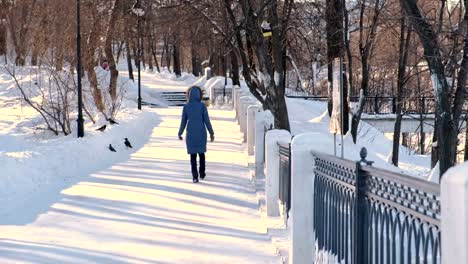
x=368, y=215
x=387, y=104
x=285, y=177
x=217, y=92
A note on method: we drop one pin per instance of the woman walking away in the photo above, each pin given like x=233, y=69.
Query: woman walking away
x=196, y=115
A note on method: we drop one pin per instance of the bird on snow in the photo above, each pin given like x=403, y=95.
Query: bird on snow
x=102, y=128
x=112, y=121
x=112, y=148
x=127, y=143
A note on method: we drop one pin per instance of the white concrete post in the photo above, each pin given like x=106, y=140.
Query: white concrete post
x=250, y=102
x=242, y=109
x=272, y=168
x=234, y=99
x=454, y=218
x=251, y=113
x=237, y=101
x=262, y=119
x=302, y=202
x=241, y=94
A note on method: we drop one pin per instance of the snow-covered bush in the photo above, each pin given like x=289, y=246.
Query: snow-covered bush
x=53, y=94
x=48, y=91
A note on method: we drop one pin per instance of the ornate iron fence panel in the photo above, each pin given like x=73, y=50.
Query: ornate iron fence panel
x=334, y=202
x=368, y=215
x=285, y=176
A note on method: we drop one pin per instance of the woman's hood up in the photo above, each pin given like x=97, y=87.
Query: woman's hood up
x=194, y=95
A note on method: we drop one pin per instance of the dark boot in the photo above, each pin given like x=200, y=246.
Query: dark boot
x=202, y=165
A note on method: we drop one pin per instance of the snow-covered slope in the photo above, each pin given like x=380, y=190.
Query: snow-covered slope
x=312, y=116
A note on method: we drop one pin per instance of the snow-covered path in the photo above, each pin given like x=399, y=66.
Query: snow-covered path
x=147, y=210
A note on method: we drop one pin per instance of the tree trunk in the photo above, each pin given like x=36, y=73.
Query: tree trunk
x=119, y=51
x=403, y=55
x=95, y=91
x=349, y=56
x=270, y=65
x=334, y=21
x=168, y=58
x=150, y=63
x=330, y=88
x=176, y=55
x=196, y=68
x=34, y=56
x=365, y=48
x=434, y=148
x=241, y=52
x=279, y=57
x=447, y=129
x=153, y=51
x=135, y=55
x=345, y=109
x=465, y=158
x=3, y=39
x=250, y=53
x=114, y=73
x=129, y=62
x=235, y=69
x=89, y=64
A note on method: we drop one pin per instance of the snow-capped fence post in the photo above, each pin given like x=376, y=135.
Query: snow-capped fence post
x=243, y=101
x=302, y=202
x=208, y=73
x=262, y=119
x=251, y=113
x=454, y=215
x=235, y=91
x=236, y=107
x=236, y=101
x=241, y=93
x=273, y=137
x=246, y=101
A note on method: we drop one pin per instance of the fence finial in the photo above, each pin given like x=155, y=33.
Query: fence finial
x=363, y=154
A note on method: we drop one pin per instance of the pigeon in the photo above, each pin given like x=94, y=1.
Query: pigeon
x=127, y=143
x=101, y=128
x=112, y=121
x=112, y=148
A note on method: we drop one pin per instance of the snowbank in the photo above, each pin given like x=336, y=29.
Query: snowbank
x=32, y=158
x=185, y=77
x=28, y=165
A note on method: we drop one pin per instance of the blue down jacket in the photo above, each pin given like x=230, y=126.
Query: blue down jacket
x=195, y=118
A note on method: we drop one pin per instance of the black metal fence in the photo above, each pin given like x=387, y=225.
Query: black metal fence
x=367, y=215
x=221, y=92
x=285, y=177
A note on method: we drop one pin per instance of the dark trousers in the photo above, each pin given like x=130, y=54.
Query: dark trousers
x=193, y=161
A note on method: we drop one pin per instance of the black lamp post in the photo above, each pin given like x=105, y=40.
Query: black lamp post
x=139, y=12
x=226, y=76
x=80, y=119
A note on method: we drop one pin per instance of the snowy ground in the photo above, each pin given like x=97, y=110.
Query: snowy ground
x=68, y=200
x=312, y=116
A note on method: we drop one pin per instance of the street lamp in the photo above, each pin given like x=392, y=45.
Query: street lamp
x=80, y=119
x=138, y=11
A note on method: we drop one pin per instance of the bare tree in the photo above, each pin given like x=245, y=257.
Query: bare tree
x=447, y=114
